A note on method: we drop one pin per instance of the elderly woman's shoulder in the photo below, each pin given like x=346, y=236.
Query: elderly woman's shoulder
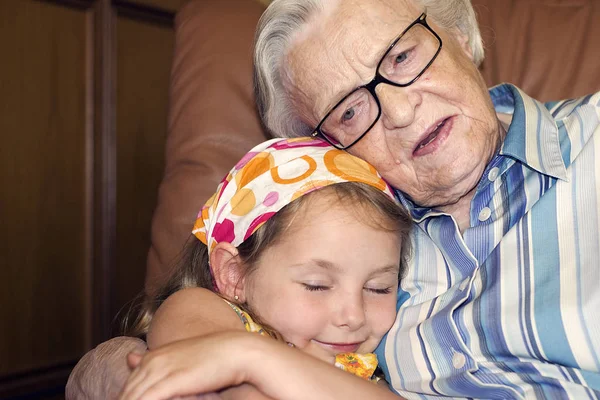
x=579, y=105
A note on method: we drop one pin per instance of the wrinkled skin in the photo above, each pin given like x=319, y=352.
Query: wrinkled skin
x=339, y=50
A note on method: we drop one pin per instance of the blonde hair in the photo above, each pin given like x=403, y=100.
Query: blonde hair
x=279, y=25
x=192, y=270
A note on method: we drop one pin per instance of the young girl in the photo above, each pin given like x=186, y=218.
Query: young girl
x=302, y=243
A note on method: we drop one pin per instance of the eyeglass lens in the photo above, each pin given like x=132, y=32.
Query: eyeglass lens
x=350, y=119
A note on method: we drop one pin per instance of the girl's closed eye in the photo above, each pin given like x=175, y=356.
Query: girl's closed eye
x=321, y=288
x=315, y=287
x=381, y=286
x=385, y=290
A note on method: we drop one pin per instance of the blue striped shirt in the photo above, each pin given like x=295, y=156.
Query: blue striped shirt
x=511, y=308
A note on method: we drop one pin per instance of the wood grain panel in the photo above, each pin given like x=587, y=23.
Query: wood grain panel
x=169, y=5
x=44, y=172
x=144, y=60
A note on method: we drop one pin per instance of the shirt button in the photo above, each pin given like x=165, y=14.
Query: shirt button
x=493, y=174
x=459, y=360
x=463, y=285
x=485, y=214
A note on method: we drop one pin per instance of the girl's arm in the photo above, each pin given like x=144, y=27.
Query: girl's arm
x=188, y=313
x=215, y=361
x=196, y=312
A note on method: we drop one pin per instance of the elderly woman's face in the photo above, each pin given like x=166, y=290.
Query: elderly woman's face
x=435, y=137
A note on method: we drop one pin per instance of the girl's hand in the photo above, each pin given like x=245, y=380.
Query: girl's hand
x=192, y=366
x=244, y=391
x=134, y=359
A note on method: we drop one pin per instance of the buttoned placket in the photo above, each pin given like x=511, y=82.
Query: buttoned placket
x=441, y=228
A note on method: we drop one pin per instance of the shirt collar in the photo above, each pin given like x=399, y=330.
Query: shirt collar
x=417, y=213
x=533, y=136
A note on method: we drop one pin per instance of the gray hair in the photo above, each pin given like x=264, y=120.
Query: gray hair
x=283, y=19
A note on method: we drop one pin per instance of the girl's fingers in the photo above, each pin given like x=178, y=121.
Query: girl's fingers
x=141, y=379
x=168, y=385
x=174, y=369
x=173, y=385
x=134, y=359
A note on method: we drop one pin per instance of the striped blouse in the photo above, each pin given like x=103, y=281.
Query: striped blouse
x=511, y=308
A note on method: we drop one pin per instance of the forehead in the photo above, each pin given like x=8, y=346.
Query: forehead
x=339, y=49
x=342, y=231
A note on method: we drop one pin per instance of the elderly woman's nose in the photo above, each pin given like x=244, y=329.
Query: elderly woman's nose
x=398, y=105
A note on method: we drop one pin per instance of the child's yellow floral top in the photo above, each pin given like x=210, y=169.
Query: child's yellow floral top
x=361, y=365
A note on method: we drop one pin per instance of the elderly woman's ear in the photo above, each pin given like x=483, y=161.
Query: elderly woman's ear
x=463, y=41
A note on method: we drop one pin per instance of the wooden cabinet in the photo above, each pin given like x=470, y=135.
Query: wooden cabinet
x=170, y=5
x=83, y=120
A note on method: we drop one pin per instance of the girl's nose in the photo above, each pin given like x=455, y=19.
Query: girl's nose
x=351, y=313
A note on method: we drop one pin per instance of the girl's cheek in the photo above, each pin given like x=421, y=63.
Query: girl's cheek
x=295, y=312
x=384, y=312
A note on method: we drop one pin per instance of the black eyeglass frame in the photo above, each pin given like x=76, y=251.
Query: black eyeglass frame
x=380, y=79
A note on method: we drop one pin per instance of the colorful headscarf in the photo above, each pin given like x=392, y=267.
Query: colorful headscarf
x=270, y=176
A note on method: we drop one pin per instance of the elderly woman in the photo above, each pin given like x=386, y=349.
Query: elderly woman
x=501, y=296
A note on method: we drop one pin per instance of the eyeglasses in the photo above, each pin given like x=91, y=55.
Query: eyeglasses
x=407, y=58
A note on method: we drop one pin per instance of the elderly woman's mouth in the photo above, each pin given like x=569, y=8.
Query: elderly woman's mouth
x=434, y=137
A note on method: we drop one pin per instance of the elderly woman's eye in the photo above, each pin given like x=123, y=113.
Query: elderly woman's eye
x=348, y=114
x=400, y=58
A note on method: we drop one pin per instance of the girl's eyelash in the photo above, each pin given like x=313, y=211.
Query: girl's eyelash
x=381, y=291
x=321, y=288
x=314, y=288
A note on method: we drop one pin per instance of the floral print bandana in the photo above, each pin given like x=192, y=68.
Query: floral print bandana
x=270, y=176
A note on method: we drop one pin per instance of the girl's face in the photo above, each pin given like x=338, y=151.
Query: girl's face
x=330, y=282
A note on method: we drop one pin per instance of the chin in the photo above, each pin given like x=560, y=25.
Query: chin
x=445, y=196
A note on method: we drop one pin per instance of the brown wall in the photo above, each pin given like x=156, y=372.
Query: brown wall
x=83, y=117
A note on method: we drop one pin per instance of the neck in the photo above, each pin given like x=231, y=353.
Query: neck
x=461, y=211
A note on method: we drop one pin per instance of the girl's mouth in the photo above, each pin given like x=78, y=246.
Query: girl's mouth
x=340, y=347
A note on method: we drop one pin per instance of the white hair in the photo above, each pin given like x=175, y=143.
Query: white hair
x=279, y=25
